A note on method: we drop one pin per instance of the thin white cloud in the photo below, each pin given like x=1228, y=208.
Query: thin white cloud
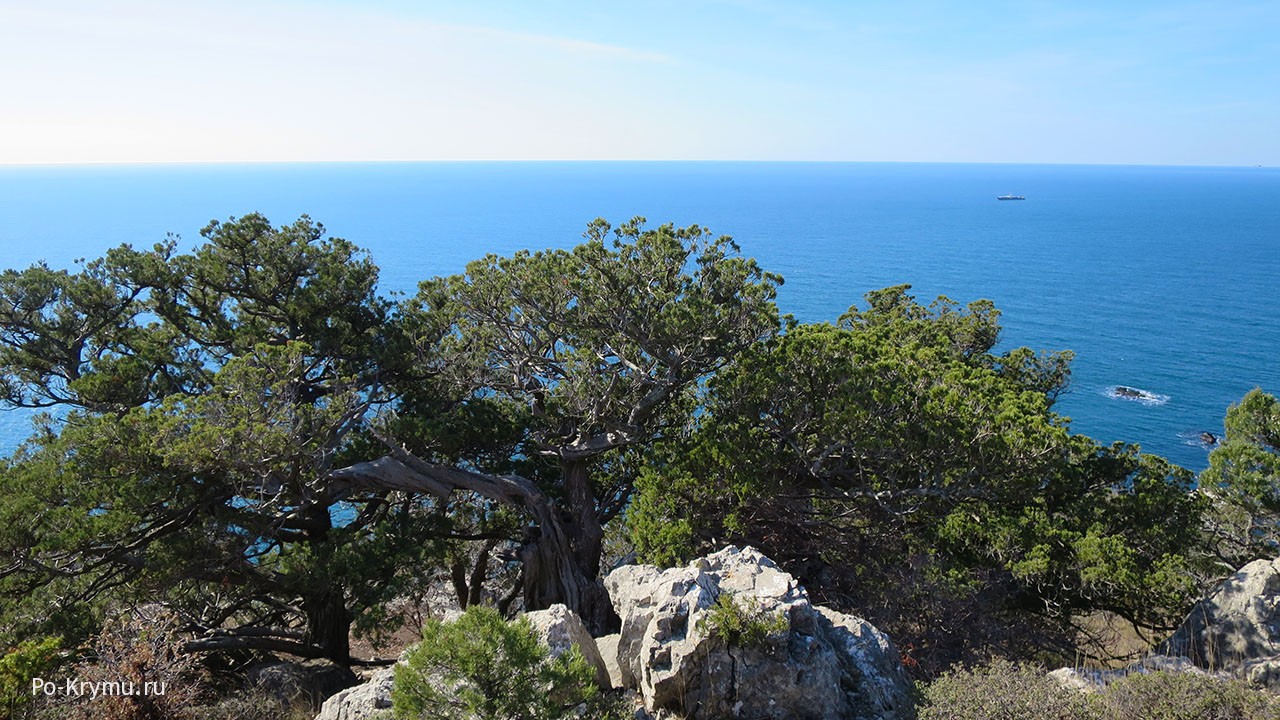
x=283, y=80
x=152, y=82
x=583, y=47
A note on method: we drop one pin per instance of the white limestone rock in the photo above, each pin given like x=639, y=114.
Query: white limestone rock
x=820, y=665
x=370, y=701
x=560, y=629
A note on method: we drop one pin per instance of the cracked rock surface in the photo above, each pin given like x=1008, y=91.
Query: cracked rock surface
x=814, y=664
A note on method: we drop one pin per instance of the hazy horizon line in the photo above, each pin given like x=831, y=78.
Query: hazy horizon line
x=565, y=161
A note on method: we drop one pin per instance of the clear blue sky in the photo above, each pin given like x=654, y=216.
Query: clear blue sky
x=281, y=80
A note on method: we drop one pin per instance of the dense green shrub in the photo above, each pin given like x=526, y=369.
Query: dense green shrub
x=904, y=471
x=1007, y=691
x=484, y=667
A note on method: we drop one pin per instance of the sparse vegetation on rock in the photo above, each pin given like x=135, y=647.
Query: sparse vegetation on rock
x=741, y=623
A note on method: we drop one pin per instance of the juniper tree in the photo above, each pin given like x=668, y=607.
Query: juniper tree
x=251, y=434
x=905, y=470
x=596, y=349
x=201, y=401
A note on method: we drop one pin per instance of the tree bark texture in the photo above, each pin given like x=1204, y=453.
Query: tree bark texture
x=561, y=553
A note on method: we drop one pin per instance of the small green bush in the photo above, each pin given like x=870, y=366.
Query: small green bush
x=484, y=667
x=741, y=625
x=19, y=666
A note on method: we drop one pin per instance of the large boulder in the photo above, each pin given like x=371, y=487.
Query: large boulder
x=309, y=682
x=1237, y=625
x=560, y=629
x=800, y=662
x=370, y=701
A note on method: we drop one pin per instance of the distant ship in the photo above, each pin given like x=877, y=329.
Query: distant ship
x=1010, y=197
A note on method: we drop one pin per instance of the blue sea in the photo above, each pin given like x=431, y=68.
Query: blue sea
x=1165, y=279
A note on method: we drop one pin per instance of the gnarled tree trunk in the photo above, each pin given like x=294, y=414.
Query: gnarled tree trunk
x=329, y=623
x=561, y=556
x=561, y=553
x=564, y=566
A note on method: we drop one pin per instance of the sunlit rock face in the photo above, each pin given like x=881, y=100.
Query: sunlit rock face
x=805, y=663
x=1237, y=624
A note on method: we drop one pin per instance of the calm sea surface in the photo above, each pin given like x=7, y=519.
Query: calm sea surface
x=1164, y=279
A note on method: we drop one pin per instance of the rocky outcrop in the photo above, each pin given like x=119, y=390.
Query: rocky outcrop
x=370, y=701
x=801, y=663
x=310, y=682
x=1238, y=624
x=1262, y=672
x=560, y=629
x=1234, y=632
x=1087, y=680
x=870, y=656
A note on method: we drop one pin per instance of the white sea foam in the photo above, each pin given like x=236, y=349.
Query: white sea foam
x=1195, y=438
x=1138, y=395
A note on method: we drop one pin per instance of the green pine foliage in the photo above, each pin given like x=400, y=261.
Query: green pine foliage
x=1243, y=482
x=28, y=660
x=482, y=667
x=249, y=434
x=905, y=471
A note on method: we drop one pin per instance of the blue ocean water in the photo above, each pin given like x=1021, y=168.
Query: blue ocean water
x=1160, y=278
